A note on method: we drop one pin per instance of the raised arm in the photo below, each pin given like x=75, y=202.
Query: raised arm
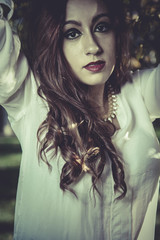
x=15, y=74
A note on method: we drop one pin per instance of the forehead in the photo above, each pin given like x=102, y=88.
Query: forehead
x=79, y=9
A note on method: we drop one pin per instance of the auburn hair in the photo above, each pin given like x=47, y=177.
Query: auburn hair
x=72, y=125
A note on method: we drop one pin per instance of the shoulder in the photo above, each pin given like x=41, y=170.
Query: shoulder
x=146, y=75
x=144, y=87
x=142, y=79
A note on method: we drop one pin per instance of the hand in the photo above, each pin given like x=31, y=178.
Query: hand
x=5, y=10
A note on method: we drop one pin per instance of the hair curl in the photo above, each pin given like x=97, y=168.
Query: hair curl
x=72, y=124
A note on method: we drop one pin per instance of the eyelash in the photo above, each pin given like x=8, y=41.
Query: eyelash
x=71, y=31
x=104, y=27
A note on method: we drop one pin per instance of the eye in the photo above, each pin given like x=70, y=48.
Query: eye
x=103, y=27
x=72, y=34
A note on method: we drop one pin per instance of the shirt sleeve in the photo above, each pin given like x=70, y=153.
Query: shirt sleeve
x=148, y=83
x=14, y=69
x=10, y=5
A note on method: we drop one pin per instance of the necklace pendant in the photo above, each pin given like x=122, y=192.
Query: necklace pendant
x=112, y=103
x=105, y=119
x=110, y=119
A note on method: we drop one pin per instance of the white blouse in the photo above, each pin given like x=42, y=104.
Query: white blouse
x=43, y=211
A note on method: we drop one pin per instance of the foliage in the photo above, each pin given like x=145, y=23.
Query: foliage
x=144, y=17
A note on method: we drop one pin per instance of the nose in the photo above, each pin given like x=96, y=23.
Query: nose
x=91, y=45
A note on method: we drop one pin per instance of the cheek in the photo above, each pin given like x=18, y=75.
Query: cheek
x=69, y=53
x=110, y=43
x=112, y=46
x=73, y=56
x=111, y=50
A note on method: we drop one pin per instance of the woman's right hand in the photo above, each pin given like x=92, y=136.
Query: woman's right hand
x=6, y=9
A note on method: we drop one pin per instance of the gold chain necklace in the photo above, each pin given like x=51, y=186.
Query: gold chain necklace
x=112, y=105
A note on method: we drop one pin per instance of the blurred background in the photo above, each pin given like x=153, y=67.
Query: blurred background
x=144, y=21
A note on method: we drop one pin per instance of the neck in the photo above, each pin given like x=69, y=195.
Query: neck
x=105, y=108
x=96, y=96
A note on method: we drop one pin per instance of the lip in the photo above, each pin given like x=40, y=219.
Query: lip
x=95, y=66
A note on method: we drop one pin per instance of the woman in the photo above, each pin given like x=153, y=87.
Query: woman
x=92, y=120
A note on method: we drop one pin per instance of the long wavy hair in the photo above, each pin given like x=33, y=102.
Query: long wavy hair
x=72, y=125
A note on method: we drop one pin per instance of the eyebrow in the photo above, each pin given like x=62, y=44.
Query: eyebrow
x=93, y=20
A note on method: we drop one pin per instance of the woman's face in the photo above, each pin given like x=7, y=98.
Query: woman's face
x=89, y=41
